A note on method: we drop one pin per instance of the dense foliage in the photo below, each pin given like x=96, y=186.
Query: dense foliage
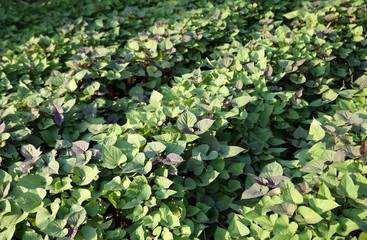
x=183, y=119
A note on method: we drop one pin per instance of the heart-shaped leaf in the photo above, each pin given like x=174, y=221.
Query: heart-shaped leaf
x=255, y=191
x=172, y=159
x=284, y=208
x=80, y=147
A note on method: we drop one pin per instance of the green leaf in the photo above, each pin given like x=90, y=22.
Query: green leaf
x=284, y=208
x=85, y=175
x=33, y=181
x=271, y=169
x=186, y=120
x=136, y=140
x=237, y=228
x=29, y=202
x=292, y=195
x=56, y=228
x=222, y=234
x=43, y=217
x=230, y=151
x=347, y=187
x=155, y=97
x=255, y=191
x=138, y=165
x=112, y=157
x=152, y=149
x=291, y=15
x=241, y=101
x=316, y=132
x=322, y=205
x=308, y=215
x=89, y=232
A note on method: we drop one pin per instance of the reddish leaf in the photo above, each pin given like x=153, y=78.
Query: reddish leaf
x=2, y=127
x=362, y=149
x=298, y=94
x=29, y=163
x=58, y=112
x=80, y=147
x=71, y=233
x=261, y=181
x=172, y=159
x=275, y=180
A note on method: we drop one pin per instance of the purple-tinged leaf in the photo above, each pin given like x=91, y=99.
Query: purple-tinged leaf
x=172, y=159
x=172, y=51
x=275, y=180
x=197, y=73
x=85, y=50
x=226, y=61
x=296, y=101
x=29, y=163
x=203, y=125
x=157, y=159
x=255, y=191
x=329, y=17
x=188, y=130
x=329, y=129
x=299, y=62
x=277, y=89
x=248, y=65
x=2, y=127
x=80, y=147
x=96, y=154
x=228, y=100
x=216, y=14
x=90, y=110
x=261, y=181
x=354, y=119
x=59, y=119
x=340, y=156
x=362, y=149
x=58, y=112
x=268, y=71
x=263, y=22
x=186, y=38
x=29, y=151
x=67, y=20
x=284, y=208
x=71, y=233
x=57, y=109
x=362, y=81
x=327, y=30
x=298, y=94
x=303, y=188
x=158, y=23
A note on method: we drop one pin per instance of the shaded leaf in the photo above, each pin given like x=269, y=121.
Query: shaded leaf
x=58, y=112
